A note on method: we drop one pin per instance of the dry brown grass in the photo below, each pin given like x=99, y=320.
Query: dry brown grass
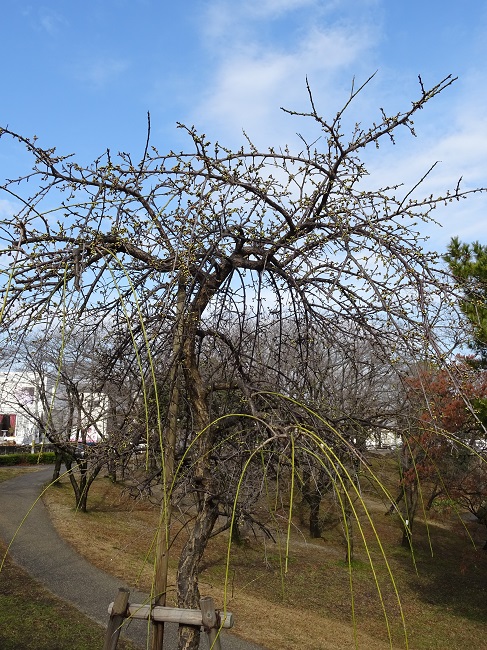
x=444, y=603
x=6, y=473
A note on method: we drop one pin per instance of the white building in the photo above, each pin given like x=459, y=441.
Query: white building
x=384, y=439
x=21, y=411
x=20, y=408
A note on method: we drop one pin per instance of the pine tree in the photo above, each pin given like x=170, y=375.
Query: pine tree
x=468, y=264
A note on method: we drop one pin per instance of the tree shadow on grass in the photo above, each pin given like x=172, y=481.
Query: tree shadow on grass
x=452, y=573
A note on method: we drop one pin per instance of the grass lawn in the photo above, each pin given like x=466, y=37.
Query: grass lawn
x=443, y=590
x=31, y=618
x=11, y=472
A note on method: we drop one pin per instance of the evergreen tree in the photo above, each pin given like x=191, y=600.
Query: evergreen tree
x=468, y=263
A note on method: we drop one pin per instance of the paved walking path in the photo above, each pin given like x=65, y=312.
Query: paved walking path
x=52, y=562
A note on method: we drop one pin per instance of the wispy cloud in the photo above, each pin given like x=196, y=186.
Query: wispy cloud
x=455, y=138
x=51, y=21
x=100, y=71
x=258, y=72
x=45, y=19
x=255, y=70
x=7, y=209
x=269, y=8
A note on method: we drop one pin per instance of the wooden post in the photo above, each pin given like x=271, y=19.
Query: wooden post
x=117, y=617
x=211, y=623
x=168, y=456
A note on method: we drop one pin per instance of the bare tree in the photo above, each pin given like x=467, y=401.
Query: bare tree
x=179, y=241
x=82, y=403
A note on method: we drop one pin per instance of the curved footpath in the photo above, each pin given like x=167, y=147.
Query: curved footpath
x=52, y=562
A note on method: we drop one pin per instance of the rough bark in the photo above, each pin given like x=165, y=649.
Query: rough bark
x=58, y=461
x=410, y=506
x=188, y=569
x=314, y=501
x=207, y=507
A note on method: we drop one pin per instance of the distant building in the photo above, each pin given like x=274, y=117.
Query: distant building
x=384, y=439
x=20, y=408
x=21, y=412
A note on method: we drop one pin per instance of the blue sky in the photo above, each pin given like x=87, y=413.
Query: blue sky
x=82, y=76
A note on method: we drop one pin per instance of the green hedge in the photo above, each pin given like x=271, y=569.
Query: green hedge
x=27, y=459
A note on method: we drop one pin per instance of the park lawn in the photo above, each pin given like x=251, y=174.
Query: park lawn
x=7, y=473
x=443, y=590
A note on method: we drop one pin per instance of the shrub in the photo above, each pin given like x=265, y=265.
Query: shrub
x=46, y=457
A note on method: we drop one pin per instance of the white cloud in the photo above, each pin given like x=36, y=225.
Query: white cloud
x=254, y=69
x=44, y=19
x=224, y=18
x=253, y=79
x=7, y=208
x=268, y=8
x=51, y=21
x=101, y=70
x=460, y=149
x=233, y=20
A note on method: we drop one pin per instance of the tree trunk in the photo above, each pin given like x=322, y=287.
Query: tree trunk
x=436, y=492
x=314, y=501
x=207, y=508
x=188, y=569
x=82, y=486
x=236, y=537
x=312, y=495
x=82, y=504
x=58, y=461
x=112, y=465
x=411, y=504
x=113, y=459
x=82, y=500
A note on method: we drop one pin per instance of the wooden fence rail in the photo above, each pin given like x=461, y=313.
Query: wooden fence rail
x=207, y=617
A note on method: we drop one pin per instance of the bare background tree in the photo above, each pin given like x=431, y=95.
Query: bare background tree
x=84, y=398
